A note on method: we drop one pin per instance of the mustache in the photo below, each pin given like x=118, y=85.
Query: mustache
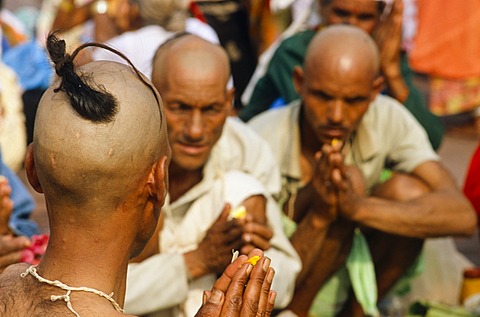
x=196, y=142
x=333, y=127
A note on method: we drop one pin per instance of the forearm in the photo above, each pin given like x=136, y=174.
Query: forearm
x=69, y=17
x=396, y=85
x=436, y=214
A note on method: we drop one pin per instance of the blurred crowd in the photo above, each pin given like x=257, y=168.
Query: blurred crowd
x=351, y=203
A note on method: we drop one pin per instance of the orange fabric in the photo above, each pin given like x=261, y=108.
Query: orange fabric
x=13, y=37
x=453, y=96
x=447, y=43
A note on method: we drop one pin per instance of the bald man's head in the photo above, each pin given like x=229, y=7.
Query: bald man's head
x=192, y=74
x=339, y=80
x=80, y=159
x=342, y=48
x=192, y=54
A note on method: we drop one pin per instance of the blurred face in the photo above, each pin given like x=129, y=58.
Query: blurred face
x=364, y=14
x=335, y=102
x=124, y=14
x=196, y=107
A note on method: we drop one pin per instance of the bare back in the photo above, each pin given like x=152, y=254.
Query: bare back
x=25, y=296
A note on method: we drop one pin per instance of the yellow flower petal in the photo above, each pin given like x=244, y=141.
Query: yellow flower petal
x=253, y=260
x=238, y=213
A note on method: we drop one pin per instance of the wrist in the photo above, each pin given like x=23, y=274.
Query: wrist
x=195, y=266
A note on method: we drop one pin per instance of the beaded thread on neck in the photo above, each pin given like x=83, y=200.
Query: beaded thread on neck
x=33, y=271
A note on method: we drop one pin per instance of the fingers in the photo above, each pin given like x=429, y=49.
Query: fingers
x=242, y=290
x=9, y=259
x=257, y=235
x=224, y=215
x=223, y=282
x=267, y=296
x=257, y=291
x=11, y=250
x=6, y=205
x=234, y=296
x=213, y=304
x=270, y=303
x=9, y=244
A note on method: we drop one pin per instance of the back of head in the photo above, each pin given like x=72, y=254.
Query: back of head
x=96, y=134
x=342, y=48
x=169, y=14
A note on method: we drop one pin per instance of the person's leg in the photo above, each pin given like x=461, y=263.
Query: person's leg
x=392, y=255
x=333, y=255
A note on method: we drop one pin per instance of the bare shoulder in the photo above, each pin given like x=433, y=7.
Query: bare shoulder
x=21, y=296
x=13, y=298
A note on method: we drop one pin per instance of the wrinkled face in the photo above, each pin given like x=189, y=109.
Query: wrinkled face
x=196, y=107
x=334, y=102
x=364, y=14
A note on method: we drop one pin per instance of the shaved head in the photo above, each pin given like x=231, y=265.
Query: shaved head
x=80, y=160
x=342, y=48
x=192, y=55
x=339, y=80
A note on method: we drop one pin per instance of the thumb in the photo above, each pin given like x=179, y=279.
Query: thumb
x=225, y=212
x=213, y=306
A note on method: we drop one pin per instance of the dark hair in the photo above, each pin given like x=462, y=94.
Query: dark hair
x=94, y=104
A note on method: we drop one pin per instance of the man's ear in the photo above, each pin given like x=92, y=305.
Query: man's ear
x=229, y=101
x=31, y=170
x=298, y=79
x=158, y=180
x=377, y=86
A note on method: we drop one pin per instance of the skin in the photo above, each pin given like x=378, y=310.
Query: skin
x=93, y=231
x=89, y=221
x=121, y=16
x=197, y=104
x=10, y=246
x=402, y=211
x=387, y=31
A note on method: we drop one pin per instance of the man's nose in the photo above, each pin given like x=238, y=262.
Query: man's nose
x=350, y=20
x=336, y=111
x=194, y=127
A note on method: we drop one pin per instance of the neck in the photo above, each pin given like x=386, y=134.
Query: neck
x=89, y=257
x=181, y=181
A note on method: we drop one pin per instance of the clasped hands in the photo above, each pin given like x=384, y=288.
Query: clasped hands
x=337, y=188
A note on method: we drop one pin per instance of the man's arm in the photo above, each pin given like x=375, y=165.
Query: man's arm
x=440, y=212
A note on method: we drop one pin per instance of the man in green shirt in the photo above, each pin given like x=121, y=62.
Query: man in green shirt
x=367, y=14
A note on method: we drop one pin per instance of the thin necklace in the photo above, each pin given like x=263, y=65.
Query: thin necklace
x=32, y=270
